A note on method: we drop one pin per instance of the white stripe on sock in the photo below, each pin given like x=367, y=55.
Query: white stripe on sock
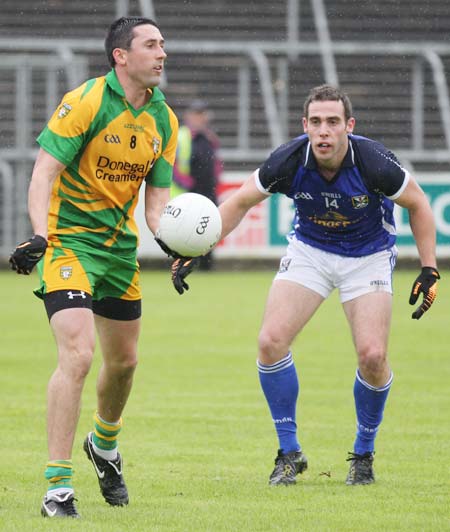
x=375, y=388
x=284, y=363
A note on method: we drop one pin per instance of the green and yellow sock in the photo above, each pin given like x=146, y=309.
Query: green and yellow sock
x=59, y=475
x=104, y=437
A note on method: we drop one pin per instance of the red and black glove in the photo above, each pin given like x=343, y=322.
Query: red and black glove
x=426, y=284
x=27, y=254
x=181, y=268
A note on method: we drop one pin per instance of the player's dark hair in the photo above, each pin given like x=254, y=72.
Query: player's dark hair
x=327, y=93
x=121, y=35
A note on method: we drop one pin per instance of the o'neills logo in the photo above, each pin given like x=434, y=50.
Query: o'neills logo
x=110, y=170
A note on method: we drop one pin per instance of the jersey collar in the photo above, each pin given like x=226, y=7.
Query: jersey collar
x=348, y=162
x=114, y=83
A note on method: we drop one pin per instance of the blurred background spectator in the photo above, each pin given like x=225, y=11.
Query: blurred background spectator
x=197, y=166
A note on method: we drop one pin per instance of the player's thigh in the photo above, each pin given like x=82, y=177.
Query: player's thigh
x=117, y=308
x=289, y=307
x=74, y=332
x=118, y=339
x=369, y=317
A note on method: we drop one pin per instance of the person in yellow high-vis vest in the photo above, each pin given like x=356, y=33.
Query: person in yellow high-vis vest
x=197, y=164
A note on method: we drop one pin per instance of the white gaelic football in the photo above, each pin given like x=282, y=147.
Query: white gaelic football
x=190, y=224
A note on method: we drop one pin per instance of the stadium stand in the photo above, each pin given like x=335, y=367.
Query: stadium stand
x=384, y=81
x=231, y=52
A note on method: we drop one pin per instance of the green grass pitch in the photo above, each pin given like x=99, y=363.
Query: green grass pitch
x=198, y=442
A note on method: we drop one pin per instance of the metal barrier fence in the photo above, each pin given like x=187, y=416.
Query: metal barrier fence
x=71, y=58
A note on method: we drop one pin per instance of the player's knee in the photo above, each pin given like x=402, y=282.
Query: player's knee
x=76, y=363
x=271, y=346
x=372, y=360
x=129, y=365
x=124, y=367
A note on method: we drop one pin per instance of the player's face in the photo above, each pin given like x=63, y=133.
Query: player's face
x=327, y=129
x=144, y=60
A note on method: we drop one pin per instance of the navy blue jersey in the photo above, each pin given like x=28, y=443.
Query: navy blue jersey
x=351, y=215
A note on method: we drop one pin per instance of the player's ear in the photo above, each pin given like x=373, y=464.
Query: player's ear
x=119, y=55
x=305, y=124
x=350, y=125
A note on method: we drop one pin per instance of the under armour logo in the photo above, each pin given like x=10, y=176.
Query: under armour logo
x=73, y=295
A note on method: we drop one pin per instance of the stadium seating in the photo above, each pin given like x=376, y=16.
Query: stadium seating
x=380, y=85
x=380, y=82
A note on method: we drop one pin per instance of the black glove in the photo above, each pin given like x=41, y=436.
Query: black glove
x=427, y=284
x=27, y=254
x=167, y=250
x=181, y=268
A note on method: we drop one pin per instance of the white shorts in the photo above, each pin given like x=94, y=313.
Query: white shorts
x=322, y=271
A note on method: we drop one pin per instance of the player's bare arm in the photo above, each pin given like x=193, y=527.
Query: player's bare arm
x=423, y=227
x=233, y=209
x=28, y=253
x=155, y=200
x=45, y=171
x=421, y=221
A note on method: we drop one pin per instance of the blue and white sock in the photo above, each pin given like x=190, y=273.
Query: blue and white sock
x=369, y=403
x=281, y=387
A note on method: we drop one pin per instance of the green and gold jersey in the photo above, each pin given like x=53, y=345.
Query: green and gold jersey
x=109, y=148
